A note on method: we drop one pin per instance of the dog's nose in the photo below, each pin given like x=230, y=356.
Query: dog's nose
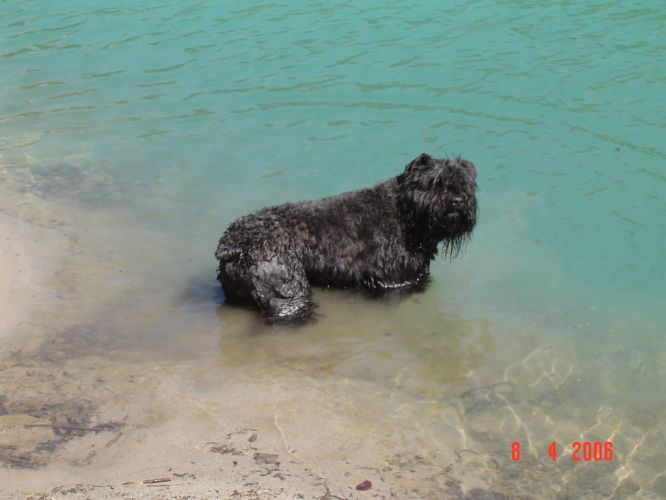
x=456, y=201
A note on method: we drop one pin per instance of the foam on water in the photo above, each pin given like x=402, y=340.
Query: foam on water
x=143, y=130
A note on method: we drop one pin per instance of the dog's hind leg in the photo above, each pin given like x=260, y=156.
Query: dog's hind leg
x=281, y=290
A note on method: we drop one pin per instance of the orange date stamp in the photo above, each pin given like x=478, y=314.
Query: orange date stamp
x=583, y=451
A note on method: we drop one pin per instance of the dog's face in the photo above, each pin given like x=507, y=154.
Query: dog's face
x=439, y=199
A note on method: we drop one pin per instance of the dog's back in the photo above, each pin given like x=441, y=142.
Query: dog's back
x=337, y=239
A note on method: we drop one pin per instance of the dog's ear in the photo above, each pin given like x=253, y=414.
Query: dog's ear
x=421, y=160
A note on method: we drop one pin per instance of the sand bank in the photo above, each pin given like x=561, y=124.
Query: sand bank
x=172, y=438
x=28, y=257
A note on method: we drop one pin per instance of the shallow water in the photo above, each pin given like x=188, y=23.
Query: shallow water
x=142, y=131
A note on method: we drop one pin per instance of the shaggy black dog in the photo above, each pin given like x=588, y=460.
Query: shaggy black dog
x=379, y=239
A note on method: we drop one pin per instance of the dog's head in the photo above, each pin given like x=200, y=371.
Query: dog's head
x=438, y=199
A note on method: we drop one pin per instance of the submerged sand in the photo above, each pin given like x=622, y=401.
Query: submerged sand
x=123, y=376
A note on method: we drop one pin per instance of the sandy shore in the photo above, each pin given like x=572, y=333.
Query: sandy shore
x=17, y=279
x=28, y=261
x=246, y=441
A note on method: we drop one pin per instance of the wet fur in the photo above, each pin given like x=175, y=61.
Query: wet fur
x=378, y=239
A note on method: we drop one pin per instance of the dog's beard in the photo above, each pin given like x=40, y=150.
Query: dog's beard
x=454, y=229
x=451, y=247
x=433, y=225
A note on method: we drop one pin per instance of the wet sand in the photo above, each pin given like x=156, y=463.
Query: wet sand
x=17, y=277
x=30, y=257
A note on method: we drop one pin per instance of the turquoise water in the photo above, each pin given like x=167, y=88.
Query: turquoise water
x=176, y=119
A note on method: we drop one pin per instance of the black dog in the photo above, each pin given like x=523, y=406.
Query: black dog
x=378, y=239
